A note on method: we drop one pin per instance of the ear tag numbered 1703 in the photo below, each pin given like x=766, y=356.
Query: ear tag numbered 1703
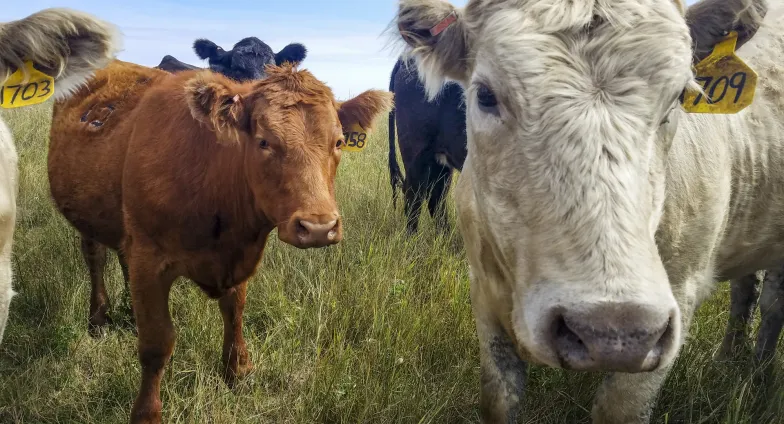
x=18, y=91
x=727, y=82
x=356, y=138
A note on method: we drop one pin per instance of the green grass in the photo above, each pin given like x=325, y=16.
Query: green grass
x=377, y=329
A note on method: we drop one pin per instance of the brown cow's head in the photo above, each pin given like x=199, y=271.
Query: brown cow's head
x=290, y=128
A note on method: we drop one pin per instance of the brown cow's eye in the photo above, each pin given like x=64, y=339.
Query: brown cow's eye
x=339, y=144
x=263, y=144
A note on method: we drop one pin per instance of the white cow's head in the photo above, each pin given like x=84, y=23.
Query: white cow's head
x=571, y=109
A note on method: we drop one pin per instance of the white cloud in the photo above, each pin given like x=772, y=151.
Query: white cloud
x=347, y=54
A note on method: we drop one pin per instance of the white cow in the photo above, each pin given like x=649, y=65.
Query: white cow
x=68, y=45
x=597, y=214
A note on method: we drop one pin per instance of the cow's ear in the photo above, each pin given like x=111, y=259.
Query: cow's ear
x=293, y=53
x=213, y=100
x=66, y=44
x=205, y=49
x=711, y=20
x=364, y=109
x=435, y=34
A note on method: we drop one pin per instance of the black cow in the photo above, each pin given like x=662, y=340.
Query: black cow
x=244, y=62
x=170, y=64
x=432, y=144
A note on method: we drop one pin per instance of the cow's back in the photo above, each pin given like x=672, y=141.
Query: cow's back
x=88, y=141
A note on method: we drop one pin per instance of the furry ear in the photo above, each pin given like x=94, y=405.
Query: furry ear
x=294, y=53
x=365, y=108
x=711, y=20
x=205, y=48
x=66, y=44
x=436, y=37
x=214, y=101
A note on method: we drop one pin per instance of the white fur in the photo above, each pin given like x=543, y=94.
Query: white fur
x=588, y=189
x=96, y=44
x=8, y=192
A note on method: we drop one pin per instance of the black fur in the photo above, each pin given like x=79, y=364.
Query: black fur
x=424, y=131
x=710, y=20
x=244, y=62
x=294, y=53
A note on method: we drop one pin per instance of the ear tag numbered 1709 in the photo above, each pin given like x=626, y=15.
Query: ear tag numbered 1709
x=728, y=83
x=18, y=91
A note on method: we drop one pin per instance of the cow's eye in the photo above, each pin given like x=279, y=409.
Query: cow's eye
x=339, y=143
x=263, y=144
x=486, y=99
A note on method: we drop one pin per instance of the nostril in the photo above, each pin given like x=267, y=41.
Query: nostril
x=568, y=345
x=333, y=226
x=666, y=339
x=302, y=230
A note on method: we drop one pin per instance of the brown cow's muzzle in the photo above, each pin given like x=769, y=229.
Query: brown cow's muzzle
x=309, y=230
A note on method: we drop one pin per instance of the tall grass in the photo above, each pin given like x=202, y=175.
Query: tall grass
x=377, y=329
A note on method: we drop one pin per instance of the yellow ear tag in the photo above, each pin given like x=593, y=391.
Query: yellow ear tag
x=727, y=81
x=356, y=139
x=18, y=91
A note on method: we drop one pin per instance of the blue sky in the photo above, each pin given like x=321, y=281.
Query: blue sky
x=346, y=47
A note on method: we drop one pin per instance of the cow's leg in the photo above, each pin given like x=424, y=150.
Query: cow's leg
x=150, y=297
x=6, y=290
x=772, y=314
x=415, y=194
x=437, y=204
x=743, y=300
x=502, y=372
x=95, y=256
x=236, y=360
x=126, y=279
x=502, y=376
x=629, y=398
x=124, y=268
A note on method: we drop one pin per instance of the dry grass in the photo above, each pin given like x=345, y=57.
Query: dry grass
x=377, y=329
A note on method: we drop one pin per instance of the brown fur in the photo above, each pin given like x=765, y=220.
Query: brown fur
x=177, y=179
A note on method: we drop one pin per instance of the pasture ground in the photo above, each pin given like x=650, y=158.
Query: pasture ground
x=377, y=329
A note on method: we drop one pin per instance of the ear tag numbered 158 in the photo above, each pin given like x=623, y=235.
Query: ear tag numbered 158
x=356, y=138
x=18, y=91
x=728, y=83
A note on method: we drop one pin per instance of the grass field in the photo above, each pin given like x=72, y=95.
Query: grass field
x=377, y=329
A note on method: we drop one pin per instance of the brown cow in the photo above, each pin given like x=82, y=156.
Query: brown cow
x=187, y=174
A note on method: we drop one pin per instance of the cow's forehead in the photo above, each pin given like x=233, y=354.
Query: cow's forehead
x=534, y=54
x=559, y=15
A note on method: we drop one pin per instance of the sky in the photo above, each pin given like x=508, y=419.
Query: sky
x=347, y=46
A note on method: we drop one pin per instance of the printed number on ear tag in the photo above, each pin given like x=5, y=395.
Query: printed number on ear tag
x=19, y=91
x=726, y=80
x=356, y=138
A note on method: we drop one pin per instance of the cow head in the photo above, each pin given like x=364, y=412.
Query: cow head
x=571, y=109
x=290, y=128
x=66, y=44
x=246, y=61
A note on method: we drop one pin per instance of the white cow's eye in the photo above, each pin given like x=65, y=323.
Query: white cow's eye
x=486, y=99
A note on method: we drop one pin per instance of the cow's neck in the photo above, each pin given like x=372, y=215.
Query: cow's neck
x=226, y=195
